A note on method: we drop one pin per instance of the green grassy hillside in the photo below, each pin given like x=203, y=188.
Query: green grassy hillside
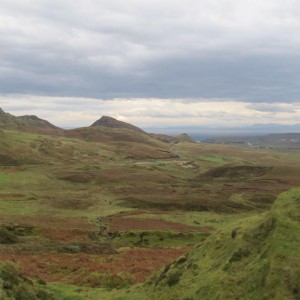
x=253, y=258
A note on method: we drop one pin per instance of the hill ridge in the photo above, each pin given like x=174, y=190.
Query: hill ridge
x=8, y=120
x=110, y=122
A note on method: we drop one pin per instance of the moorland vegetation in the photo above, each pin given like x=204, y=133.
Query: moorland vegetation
x=112, y=212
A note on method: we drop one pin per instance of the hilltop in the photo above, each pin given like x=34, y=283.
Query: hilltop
x=106, y=129
x=110, y=122
x=23, y=122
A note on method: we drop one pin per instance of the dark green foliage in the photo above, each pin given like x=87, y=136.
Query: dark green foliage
x=239, y=254
x=181, y=260
x=7, y=237
x=108, y=281
x=233, y=233
x=10, y=234
x=160, y=238
x=14, y=286
x=173, y=278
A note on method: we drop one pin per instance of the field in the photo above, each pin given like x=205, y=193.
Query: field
x=97, y=219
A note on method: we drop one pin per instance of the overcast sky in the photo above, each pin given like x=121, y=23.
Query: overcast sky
x=151, y=62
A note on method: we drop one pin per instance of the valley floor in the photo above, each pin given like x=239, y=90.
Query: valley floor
x=84, y=221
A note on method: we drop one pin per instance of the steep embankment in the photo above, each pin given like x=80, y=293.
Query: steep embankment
x=255, y=258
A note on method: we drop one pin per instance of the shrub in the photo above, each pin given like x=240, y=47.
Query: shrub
x=173, y=278
x=7, y=237
x=107, y=280
x=16, y=286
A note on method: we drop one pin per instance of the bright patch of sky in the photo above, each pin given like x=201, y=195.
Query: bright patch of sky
x=153, y=113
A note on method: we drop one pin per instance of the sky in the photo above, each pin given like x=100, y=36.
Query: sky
x=152, y=63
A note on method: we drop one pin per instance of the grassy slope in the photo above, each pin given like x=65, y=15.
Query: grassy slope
x=261, y=262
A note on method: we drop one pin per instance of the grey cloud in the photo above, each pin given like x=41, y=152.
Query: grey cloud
x=272, y=108
x=170, y=49
x=251, y=78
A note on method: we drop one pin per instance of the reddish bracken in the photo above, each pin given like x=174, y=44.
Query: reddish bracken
x=127, y=224
x=134, y=264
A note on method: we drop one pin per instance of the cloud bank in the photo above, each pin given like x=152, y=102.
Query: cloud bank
x=242, y=50
x=153, y=113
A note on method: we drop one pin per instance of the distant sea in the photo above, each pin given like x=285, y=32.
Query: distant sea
x=202, y=135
